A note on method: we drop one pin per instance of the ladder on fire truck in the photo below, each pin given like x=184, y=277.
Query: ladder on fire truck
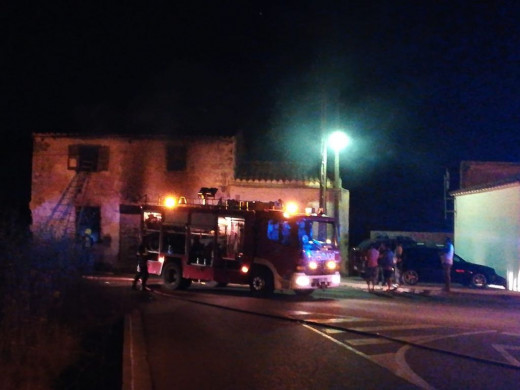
x=62, y=221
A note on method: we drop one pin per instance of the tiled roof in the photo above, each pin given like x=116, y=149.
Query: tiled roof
x=486, y=186
x=276, y=171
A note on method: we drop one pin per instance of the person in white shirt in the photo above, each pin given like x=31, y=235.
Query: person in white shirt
x=447, y=263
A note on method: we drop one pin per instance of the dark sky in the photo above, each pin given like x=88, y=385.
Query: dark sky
x=418, y=85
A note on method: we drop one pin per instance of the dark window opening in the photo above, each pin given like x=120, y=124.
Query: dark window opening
x=176, y=158
x=89, y=158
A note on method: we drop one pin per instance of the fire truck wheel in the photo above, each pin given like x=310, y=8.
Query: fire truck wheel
x=261, y=283
x=172, y=276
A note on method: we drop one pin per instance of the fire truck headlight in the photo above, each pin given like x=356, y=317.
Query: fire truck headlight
x=244, y=269
x=331, y=265
x=313, y=265
x=161, y=259
x=303, y=281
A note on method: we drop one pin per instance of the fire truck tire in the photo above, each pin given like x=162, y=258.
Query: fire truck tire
x=172, y=277
x=261, y=283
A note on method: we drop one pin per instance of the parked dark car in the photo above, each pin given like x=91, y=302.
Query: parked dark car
x=422, y=264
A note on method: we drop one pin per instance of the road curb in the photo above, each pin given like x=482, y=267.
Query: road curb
x=136, y=369
x=437, y=291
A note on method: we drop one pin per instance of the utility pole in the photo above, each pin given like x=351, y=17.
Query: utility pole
x=323, y=166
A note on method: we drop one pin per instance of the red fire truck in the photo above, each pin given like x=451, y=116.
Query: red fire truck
x=246, y=243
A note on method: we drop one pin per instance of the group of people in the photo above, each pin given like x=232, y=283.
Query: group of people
x=383, y=263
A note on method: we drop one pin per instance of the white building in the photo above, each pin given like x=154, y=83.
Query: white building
x=487, y=219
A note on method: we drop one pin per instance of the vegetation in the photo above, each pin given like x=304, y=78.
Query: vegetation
x=57, y=330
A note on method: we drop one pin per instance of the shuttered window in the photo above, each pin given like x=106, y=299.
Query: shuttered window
x=92, y=158
x=175, y=158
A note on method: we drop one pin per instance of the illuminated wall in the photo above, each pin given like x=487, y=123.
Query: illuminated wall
x=487, y=229
x=136, y=169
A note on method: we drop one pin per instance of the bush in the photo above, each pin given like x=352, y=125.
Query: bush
x=46, y=313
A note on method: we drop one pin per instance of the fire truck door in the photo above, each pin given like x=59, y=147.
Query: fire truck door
x=201, y=243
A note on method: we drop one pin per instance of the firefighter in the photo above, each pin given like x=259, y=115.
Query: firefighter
x=142, y=268
x=87, y=260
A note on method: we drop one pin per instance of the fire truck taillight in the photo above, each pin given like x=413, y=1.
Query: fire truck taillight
x=244, y=269
x=161, y=259
x=331, y=265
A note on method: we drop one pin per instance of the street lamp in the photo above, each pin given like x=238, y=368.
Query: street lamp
x=338, y=140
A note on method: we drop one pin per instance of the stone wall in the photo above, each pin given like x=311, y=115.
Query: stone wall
x=135, y=172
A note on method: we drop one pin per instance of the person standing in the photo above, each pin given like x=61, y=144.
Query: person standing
x=398, y=262
x=371, y=269
x=142, y=268
x=87, y=258
x=387, y=263
x=447, y=263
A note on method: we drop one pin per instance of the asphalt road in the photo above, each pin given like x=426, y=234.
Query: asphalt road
x=207, y=338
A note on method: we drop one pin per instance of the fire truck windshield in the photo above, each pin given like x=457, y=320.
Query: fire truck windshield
x=306, y=233
x=314, y=234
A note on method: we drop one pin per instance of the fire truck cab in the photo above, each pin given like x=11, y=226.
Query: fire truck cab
x=251, y=245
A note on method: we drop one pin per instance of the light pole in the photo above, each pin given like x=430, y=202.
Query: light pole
x=323, y=176
x=338, y=140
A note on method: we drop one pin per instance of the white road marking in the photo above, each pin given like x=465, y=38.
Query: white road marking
x=503, y=349
x=337, y=320
x=402, y=366
x=393, y=327
x=367, y=341
x=333, y=331
x=511, y=334
x=384, y=360
x=396, y=362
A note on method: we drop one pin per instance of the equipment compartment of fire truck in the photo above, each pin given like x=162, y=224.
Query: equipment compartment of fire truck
x=247, y=243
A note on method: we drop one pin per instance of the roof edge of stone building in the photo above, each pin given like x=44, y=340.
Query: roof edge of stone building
x=140, y=136
x=497, y=184
x=276, y=172
x=465, y=163
x=274, y=183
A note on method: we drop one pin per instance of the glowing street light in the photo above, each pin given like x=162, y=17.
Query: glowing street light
x=338, y=141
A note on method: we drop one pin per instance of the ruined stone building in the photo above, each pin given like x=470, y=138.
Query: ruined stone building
x=97, y=182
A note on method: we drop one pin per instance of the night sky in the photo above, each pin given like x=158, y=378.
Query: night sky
x=418, y=85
